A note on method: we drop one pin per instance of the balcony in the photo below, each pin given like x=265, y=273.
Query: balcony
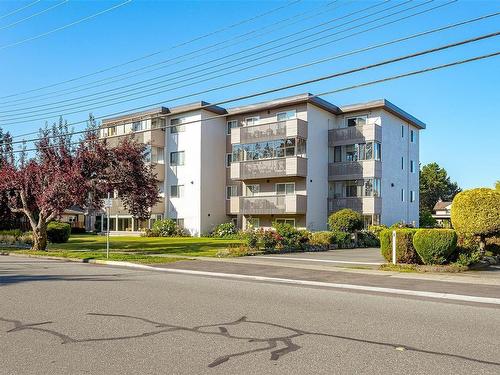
x=269, y=205
x=353, y=170
x=159, y=170
x=269, y=168
x=365, y=205
x=354, y=134
x=269, y=132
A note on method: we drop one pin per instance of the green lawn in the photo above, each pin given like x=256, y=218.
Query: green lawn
x=183, y=246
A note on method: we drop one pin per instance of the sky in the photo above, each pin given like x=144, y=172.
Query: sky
x=56, y=43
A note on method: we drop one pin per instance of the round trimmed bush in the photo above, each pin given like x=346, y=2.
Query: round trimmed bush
x=345, y=220
x=324, y=238
x=434, y=246
x=58, y=232
x=405, y=252
x=476, y=212
x=225, y=230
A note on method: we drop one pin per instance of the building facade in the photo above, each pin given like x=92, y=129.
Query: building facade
x=293, y=160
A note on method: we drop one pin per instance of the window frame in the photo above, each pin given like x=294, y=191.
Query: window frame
x=255, y=120
x=229, y=159
x=179, y=190
x=412, y=196
x=402, y=195
x=180, y=127
x=229, y=126
x=230, y=189
x=257, y=219
x=285, y=219
x=177, y=153
x=285, y=184
x=412, y=166
x=346, y=120
x=253, y=194
x=294, y=116
x=412, y=136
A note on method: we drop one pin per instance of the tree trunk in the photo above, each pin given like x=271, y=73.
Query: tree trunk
x=40, y=238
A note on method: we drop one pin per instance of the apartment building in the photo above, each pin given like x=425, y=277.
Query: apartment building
x=293, y=160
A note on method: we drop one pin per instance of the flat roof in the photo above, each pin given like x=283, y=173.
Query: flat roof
x=136, y=115
x=388, y=106
x=201, y=105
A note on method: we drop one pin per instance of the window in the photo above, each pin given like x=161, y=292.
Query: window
x=356, y=121
x=112, y=131
x=288, y=115
x=412, y=196
x=176, y=191
x=285, y=188
x=269, y=149
x=351, y=153
x=177, y=158
x=179, y=222
x=230, y=125
x=402, y=162
x=138, y=126
x=402, y=195
x=337, y=154
x=253, y=222
x=231, y=191
x=377, y=151
x=252, y=190
x=286, y=221
x=249, y=121
x=412, y=166
x=402, y=131
x=176, y=125
x=352, y=189
x=157, y=123
x=412, y=136
x=229, y=159
x=155, y=155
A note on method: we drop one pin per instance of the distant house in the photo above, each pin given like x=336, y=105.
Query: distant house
x=74, y=216
x=442, y=213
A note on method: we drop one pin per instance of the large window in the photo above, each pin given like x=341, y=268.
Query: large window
x=287, y=188
x=271, y=149
x=286, y=221
x=356, y=121
x=253, y=222
x=288, y=115
x=177, y=158
x=355, y=188
x=355, y=152
x=176, y=125
x=231, y=191
x=138, y=126
x=155, y=155
x=249, y=121
x=252, y=190
x=231, y=125
x=158, y=123
x=176, y=191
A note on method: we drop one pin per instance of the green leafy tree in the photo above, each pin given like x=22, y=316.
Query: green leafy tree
x=435, y=184
x=497, y=185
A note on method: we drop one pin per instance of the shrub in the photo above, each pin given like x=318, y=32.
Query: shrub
x=367, y=238
x=235, y=251
x=224, y=230
x=150, y=233
x=292, y=238
x=342, y=239
x=376, y=229
x=78, y=230
x=405, y=252
x=468, y=258
x=426, y=220
x=251, y=238
x=476, y=212
x=493, y=245
x=400, y=224
x=345, y=220
x=8, y=239
x=270, y=239
x=325, y=238
x=58, y=232
x=434, y=246
x=11, y=232
x=26, y=238
x=166, y=228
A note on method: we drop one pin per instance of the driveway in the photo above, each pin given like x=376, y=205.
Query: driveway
x=369, y=257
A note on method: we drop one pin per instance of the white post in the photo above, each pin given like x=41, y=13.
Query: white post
x=393, y=247
x=107, y=232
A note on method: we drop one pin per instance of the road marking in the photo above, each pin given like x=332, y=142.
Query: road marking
x=317, y=260
x=417, y=293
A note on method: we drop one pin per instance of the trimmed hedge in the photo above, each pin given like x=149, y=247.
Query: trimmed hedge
x=435, y=246
x=405, y=252
x=345, y=220
x=476, y=212
x=322, y=238
x=58, y=232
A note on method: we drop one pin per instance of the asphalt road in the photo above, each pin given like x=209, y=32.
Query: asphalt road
x=70, y=318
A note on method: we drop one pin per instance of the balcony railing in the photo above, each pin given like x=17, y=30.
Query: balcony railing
x=269, y=205
x=351, y=170
x=355, y=134
x=270, y=131
x=269, y=168
x=365, y=205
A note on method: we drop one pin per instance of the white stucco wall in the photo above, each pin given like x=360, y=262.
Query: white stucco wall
x=394, y=147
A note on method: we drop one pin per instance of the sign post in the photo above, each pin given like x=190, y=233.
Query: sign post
x=393, y=247
x=107, y=204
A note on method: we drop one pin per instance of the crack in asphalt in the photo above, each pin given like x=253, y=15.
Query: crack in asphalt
x=277, y=346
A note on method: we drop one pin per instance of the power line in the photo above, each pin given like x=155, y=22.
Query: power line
x=352, y=87
x=155, y=53
x=149, y=88
x=176, y=60
x=64, y=27
x=34, y=15
x=20, y=9
x=306, y=82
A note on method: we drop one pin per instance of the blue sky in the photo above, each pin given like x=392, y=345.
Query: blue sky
x=458, y=104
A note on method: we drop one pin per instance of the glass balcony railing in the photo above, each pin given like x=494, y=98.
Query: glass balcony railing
x=269, y=131
x=269, y=168
x=269, y=205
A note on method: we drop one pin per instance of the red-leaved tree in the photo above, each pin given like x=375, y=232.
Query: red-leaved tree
x=62, y=174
